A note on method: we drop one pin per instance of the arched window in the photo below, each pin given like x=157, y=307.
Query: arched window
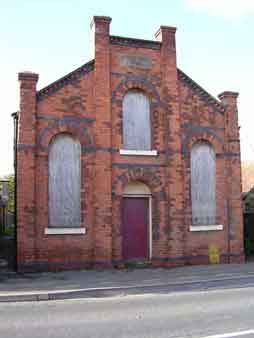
x=64, y=181
x=203, y=174
x=136, y=121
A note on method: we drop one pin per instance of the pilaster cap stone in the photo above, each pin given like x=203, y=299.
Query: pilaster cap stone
x=227, y=95
x=100, y=20
x=164, y=29
x=28, y=76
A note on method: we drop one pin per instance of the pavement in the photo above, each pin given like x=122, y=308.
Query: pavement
x=16, y=287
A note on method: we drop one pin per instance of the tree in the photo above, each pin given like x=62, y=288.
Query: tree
x=10, y=204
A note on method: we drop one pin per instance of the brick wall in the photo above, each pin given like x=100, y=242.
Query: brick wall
x=88, y=104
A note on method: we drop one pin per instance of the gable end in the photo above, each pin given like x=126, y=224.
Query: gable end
x=60, y=83
x=202, y=92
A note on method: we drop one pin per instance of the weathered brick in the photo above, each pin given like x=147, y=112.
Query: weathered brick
x=88, y=104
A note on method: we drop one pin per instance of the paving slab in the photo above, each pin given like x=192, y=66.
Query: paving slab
x=104, y=283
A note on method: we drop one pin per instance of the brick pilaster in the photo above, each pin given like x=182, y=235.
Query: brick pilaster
x=170, y=97
x=233, y=176
x=26, y=168
x=102, y=105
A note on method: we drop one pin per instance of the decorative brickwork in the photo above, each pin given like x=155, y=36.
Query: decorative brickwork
x=87, y=103
x=71, y=125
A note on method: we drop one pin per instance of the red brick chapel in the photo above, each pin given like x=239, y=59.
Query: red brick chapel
x=127, y=159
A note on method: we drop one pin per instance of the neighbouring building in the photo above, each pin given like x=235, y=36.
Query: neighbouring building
x=3, y=205
x=127, y=158
x=248, y=222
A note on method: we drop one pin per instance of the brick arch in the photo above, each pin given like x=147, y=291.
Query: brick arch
x=145, y=176
x=212, y=138
x=67, y=133
x=140, y=83
x=72, y=127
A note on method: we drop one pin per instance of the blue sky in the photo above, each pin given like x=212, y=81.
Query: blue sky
x=52, y=37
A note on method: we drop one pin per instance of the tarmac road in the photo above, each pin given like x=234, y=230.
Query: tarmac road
x=221, y=313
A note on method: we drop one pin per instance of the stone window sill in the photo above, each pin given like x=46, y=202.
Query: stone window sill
x=211, y=227
x=65, y=231
x=138, y=152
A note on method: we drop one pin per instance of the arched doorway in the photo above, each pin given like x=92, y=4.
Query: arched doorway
x=136, y=222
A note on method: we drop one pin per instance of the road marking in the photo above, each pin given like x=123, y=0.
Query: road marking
x=231, y=335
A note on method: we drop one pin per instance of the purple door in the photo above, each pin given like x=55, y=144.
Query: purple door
x=135, y=227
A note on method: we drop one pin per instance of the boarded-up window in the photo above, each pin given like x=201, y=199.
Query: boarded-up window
x=136, y=121
x=203, y=170
x=64, y=181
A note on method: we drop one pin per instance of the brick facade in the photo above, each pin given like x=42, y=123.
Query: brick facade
x=88, y=104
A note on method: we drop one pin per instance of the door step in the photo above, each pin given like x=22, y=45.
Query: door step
x=138, y=264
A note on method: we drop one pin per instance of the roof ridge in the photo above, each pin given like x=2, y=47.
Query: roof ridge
x=210, y=98
x=58, y=84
